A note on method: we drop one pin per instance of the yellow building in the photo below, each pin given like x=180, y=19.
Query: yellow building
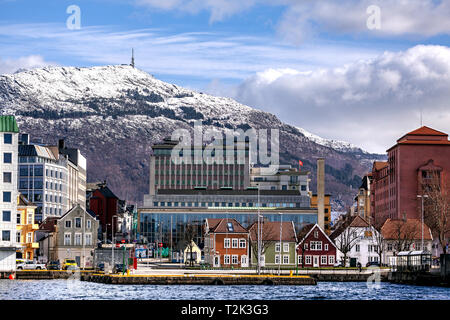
x=26, y=228
x=327, y=214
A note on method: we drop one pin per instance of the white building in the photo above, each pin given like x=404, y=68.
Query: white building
x=281, y=177
x=52, y=177
x=9, y=135
x=362, y=239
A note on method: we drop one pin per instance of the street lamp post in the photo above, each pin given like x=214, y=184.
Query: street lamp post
x=281, y=229
x=112, y=240
x=422, y=196
x=259, y=238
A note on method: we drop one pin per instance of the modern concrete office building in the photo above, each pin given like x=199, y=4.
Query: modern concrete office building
x=52, y=177
x=9, y=137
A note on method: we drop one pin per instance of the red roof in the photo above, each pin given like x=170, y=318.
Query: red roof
x=221, y=226
x=393, y=229
x=378, y=165
x=271, y=231
x=426, y=131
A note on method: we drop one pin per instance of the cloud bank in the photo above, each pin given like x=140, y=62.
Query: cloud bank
x=368, y=103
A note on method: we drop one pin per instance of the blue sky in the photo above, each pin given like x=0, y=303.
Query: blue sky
x=238, y=48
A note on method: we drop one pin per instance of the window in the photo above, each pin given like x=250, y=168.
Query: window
x=67, y=239
x=226, y=259
x=88, y=224
x=316, y=234
x=29, y=237
x=6, y=196
x=242, y=243
x=331, y=260
x=323, y=260
x=7, y=157
x=226, y=243
x=285, y=247
x=277, y=247
x=319, y=245
x=18, y=237
x=299, y=259
x=7, y=138
x=277, y=259
x=6, y=235
x=306, y=246
x=7, y=177
x=19, y=218
x=326, y=247
x=307, y=259
x=88, y=239
x=77, y=222
x=234, y=243
x=6, y=216
x=30, y=218
x=369, y=248
x=357, y=248
x=389, y=247
x=285, y=259
x=68, y=223
x=234, y=259
x=78, y=239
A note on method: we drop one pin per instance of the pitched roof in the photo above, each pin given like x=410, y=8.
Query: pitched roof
x=306, y=230
x=378, y=165
x=49, y=224
x=222, y=226
x=394, y=229
x=24, y=202
x=426, y=131
x=355, y=222
x=271, y=231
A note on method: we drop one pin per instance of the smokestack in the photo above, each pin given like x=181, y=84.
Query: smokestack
x=321, y=193
x=61, y=144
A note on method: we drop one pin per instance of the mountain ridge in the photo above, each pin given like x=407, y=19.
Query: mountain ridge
x=115, y=113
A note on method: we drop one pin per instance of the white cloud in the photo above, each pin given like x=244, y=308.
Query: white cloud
x=303, y=18
x=205, y=55
x=368, y=103
x=28, y=62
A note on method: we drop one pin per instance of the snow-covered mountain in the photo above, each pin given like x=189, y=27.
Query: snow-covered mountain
x=115, y=113
x=334, y=144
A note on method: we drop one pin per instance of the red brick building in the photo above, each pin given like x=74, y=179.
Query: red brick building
x=417, y=158
x=104, y=203
x=315, y=248
x=226, y=243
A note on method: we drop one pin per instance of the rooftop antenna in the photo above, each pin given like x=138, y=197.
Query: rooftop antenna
x=132, y=57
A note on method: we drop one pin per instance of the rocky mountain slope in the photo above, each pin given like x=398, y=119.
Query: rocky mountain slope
x=113, y=114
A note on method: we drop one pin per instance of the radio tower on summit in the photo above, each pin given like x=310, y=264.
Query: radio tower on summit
x=132, y=57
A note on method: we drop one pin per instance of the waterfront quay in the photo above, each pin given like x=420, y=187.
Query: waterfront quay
x=200, y=279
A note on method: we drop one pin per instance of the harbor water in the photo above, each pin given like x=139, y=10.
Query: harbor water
x=80, y=290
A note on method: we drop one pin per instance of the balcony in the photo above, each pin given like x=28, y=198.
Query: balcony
x=34, y=226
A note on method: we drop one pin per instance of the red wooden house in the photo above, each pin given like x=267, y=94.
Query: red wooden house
x=226, y=243
x=315, y=248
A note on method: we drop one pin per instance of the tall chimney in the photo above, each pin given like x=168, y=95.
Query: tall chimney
x=321, y=193
x=61, y=144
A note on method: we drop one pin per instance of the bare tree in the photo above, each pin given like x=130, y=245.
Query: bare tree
x=301, y=234
x=403, y=234
x=346, y=240
x=267, y=239
x=379, y=241
x=437, y=209
x=189, y=235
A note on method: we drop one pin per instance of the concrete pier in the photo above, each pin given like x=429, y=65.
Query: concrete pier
x=200, y=279
x=49, y=274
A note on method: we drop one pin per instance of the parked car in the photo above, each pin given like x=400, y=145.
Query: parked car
x=101, y=266
x=118, y=268
x=54, y=265
x=372, y=264
x=69, y=262
x=338, y=264
x=30, y=265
